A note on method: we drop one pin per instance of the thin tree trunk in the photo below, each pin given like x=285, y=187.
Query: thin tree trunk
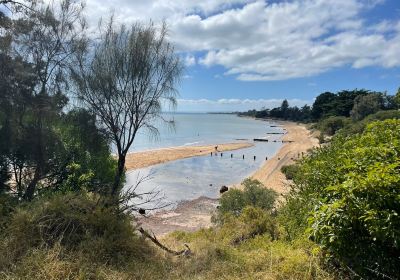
x=118, y=175
x=30, y=190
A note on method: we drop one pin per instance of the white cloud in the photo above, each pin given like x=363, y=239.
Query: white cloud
x=190, y=60
x=255, y=40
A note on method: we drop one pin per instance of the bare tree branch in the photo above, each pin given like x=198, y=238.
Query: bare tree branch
x=185, y=252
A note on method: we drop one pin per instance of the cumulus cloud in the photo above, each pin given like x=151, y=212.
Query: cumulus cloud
x=190, y=60
x=256, y=40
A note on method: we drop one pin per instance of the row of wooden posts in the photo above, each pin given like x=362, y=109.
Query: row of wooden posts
x=216, y=154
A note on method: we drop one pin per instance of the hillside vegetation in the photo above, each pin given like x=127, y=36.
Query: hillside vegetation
x=339, y=221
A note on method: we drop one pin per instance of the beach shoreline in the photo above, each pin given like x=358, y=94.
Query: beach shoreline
x=296, y=142
x=195, y=214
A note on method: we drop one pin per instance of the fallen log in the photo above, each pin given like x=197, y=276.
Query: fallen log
x=184, y=252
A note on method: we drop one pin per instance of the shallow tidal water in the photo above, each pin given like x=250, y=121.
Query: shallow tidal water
x=190, y=178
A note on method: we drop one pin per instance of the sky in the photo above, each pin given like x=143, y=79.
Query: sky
x=245, y=54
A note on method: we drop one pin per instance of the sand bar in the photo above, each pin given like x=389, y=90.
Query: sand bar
x=148, y=158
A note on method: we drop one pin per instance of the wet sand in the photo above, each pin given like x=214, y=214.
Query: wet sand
x=148, y=158
x=188, y=216
x=196, y=214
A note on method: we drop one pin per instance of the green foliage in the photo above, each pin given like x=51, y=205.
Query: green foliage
x=251, y=222
x=351, y=188
x=329, y=104
x=75, y=223
x=397, y=99
x=72, y=237
x=359, y=126
x=322, y=105
x=7, y=206
x=90, y=164
x=290, y=171
x=331, y=125
x=365, y=105
x=254, y=194
x=232, y=252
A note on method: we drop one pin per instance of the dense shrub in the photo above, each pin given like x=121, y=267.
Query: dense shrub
x=352, y=188
x=75, y=222
x=331, y=125
x=290, y=171
x=244, y=248
x=7, y=206
x=359, y=126
x=254, y=194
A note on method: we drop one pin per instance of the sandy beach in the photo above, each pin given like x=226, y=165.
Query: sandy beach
x=149, y=158
x=301, y=140
x=196, y=214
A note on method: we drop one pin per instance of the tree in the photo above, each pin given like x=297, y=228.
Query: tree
x=36, y=49
x=322, y=105
x=365, y=105
x=397, y=98
x=332, y=124
x=306, y=113
x=124, y=80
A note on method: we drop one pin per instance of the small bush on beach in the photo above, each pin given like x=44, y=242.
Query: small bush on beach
x=254, y=194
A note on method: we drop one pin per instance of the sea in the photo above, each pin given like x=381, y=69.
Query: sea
x=167, y=184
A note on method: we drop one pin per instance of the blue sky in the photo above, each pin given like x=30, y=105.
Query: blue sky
x=244, y=54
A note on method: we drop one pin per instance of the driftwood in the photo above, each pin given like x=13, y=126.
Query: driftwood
x=184, y=252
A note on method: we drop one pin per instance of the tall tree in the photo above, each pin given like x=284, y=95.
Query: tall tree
x=365, y=105
x=124, y=79
x=397, y=98
x=39, y=43
x=322, y=104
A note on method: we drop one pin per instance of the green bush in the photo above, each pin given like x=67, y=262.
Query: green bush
x=77, y=223
x=7, y=207
x=254, y=194
x=290, y=171
x=251, y=222
x=359, y=127
x=331, y=125
x=352, y=189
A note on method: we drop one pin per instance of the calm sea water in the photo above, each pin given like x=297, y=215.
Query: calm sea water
x=200, y=129
x=191, y=178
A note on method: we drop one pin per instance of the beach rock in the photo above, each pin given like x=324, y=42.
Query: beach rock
x=223, y=189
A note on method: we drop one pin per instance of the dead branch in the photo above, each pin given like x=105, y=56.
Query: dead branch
x=184, y=252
